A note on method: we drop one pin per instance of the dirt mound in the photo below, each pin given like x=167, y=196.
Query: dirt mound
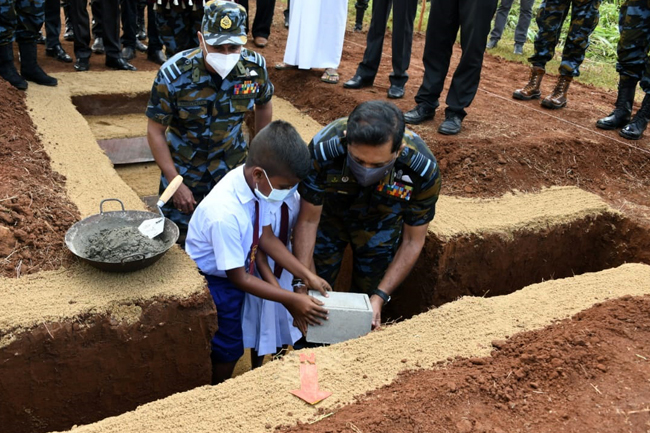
x=34, y=210
x=584, y=374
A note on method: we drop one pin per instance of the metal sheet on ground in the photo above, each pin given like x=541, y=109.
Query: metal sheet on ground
x=127, y=150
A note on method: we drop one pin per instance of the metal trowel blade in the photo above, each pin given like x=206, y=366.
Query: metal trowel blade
x=152, y=228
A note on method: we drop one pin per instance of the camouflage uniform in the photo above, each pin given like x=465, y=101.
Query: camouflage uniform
x=178, y=24
x=634, y=43
x=204, y=115
x=370, y=219
x=21, y=20
x=550, y=16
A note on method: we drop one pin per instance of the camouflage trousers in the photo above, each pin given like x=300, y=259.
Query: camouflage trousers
x=634, y=43
x=178, y=28
x=20, y=20
x=550, y=16
x=372, y=251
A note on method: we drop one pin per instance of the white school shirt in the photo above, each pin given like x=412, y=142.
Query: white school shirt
x=267, y=325
x=220, y=232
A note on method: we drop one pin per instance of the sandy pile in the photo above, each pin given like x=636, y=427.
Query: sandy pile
x=260, y=400
x=513, y=212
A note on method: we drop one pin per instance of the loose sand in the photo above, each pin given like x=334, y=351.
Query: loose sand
x=514, y=211
x=118, y=126
x=69, y=293
x=256, y=401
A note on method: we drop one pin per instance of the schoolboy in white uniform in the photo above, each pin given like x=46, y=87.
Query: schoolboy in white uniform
x=233, y=221
x=267, y=325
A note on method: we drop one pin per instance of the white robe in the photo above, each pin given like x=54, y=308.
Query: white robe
x=316, y=33
x=267, y=325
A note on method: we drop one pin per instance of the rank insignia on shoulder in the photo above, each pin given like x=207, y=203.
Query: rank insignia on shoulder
x=396, y=189
x=329, y=149
x=418, y=162
x=247, y=88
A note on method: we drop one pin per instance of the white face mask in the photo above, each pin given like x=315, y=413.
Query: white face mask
x=221, y=63
x=276, y=195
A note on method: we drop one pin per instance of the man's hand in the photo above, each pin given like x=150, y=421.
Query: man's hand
x=315, y=282
x=184, y=199
x=376, y=302
x=306, y=311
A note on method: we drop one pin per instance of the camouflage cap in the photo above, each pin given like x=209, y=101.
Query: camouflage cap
x=224, y=22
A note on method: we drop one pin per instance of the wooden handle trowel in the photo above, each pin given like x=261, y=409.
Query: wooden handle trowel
x=153, y=227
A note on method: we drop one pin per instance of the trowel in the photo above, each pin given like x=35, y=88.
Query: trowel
x=153, y=227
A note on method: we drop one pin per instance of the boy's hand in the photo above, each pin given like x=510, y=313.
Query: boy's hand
x=315, y=282
x=306, y=311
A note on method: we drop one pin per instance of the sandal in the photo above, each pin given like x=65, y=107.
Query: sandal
x=284, y=66
x=330, y=76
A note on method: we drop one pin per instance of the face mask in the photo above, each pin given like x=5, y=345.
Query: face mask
x=221, y=63
x=276, y=195
x=367, y=176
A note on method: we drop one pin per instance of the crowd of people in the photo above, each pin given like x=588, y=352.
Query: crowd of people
x=268, y=219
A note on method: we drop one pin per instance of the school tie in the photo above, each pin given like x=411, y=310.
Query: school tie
x=256, y=238
x=284, y=235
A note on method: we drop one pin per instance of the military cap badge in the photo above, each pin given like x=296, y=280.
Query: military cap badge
x=226, y=23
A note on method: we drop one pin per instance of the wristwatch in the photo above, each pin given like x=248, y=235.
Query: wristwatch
x=383, y=295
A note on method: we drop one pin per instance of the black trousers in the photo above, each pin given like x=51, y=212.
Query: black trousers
x=473, y=17
x=403, y=17
x=110, y=26
x=52, y=23
x=263, y=17
x=96, y=11
x=153, y=36
x=129, y=12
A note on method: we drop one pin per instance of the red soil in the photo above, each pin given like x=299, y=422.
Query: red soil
x=34, y=210
x=585, y=374
x=505, y=144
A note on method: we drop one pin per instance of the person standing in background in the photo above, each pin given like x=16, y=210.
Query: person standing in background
x=316, y=33
x=403, y=16
x=446, y=17
x=53, y=46
x=521, y=31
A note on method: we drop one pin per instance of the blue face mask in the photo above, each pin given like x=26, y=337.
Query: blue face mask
x=276, y=195
x=367, y=176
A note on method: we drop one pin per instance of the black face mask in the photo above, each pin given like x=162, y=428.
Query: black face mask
x=367, y=176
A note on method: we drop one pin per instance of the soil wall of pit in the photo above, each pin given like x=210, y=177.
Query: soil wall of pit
x=493, y=264
x=82, y=370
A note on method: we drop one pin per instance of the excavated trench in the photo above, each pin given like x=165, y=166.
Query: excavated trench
x=479, y=263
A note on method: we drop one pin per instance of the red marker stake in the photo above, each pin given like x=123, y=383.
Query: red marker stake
x=309, y=381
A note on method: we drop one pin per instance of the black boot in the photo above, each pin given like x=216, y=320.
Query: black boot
x=29, y=68
x=358, y=24
x=622, y=108
x=8, y=70
x=634, y=129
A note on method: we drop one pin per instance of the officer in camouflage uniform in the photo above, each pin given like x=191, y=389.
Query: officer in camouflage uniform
x=178, y=23
x=633, y=67
x=196, y=111
x=550, y=16
x=22, y=20
x=374, y=186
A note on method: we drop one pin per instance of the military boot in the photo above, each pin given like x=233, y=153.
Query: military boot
x=531, y=90
x=29, y=68
x=634, y=129
x=622, y=108
x=557, y=99
x=8, y=70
